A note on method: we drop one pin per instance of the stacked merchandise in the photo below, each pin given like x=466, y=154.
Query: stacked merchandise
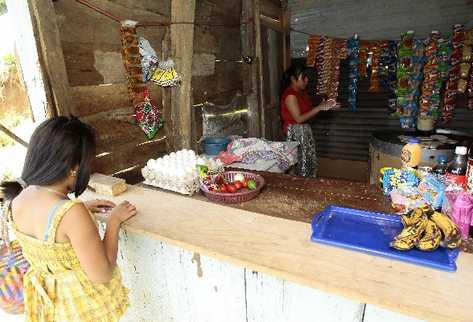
x=430, y=99
x=404, y=91
x=353, y=55
x=454, y=74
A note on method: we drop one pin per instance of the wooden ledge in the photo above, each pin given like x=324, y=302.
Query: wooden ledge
x=282, y=248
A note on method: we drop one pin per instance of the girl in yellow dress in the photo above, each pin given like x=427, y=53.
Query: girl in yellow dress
x=73, y=274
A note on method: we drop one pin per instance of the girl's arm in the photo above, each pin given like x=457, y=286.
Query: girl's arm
x=293, y=107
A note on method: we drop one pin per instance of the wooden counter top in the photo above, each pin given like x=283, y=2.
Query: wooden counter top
x=282, y=248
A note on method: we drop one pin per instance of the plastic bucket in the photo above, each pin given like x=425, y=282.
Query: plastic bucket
x=213, y=146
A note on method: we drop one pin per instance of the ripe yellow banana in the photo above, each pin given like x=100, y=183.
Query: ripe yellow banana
x=410, y=235
x=431, y=239
x=450, y=231
x=403, y=244
x=413, y=217
x=414, y=230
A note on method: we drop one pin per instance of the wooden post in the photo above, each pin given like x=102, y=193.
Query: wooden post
x=182, y=49
x=286, y=34
x=251, y=78
x=259, y=61
x=51, y=55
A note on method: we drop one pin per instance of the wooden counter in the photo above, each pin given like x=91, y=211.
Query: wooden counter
x=282, y=248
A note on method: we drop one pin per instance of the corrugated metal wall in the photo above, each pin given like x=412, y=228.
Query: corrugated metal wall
x=345, y=134
x=380, y=19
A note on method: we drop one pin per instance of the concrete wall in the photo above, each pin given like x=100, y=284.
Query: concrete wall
x=170, y=284
x=381, y=19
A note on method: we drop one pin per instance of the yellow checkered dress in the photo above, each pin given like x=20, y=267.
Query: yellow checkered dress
x=57, y=289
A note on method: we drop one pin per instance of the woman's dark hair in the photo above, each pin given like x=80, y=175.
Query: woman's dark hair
x=295, y=70
x=56, y=146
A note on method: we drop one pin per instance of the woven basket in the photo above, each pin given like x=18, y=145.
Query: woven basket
x=236, y=197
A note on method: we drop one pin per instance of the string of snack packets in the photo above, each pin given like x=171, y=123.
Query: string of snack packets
x=414, y=70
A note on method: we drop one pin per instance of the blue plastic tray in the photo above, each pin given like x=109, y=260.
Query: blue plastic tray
x=371, y=232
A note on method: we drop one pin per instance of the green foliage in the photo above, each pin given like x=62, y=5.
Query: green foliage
x=3, y=7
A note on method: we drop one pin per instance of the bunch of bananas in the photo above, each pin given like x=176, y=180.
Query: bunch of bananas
x=427, y=230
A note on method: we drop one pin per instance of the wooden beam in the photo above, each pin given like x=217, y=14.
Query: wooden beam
x=182, y=50
x=12, y=135
x=251, y=71
x=270, y=9
x=47, y=33
x=259, y=61
x=285, y=22
x=271, y=23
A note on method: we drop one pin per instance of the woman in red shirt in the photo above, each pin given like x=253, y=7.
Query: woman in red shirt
x=296, y=109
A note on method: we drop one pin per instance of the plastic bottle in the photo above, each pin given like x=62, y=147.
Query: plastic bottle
x=411, y=153
x=456, y=171
x=469, y=173
x=442, y=164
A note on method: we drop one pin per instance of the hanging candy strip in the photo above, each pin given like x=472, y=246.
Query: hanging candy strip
x=375, y=57
x=454, y=74
x=383, y=63
x=418, y=60
x=392, y=62
x=353, y=45
x=465, y=66
x=364, y=49
x=148, y=116
x=404, y=91
x=469, y=91
x=430, y=98
x=314, y=41
x=131, y=59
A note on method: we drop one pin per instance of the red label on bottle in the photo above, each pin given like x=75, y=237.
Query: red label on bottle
x=469, y=176
x=459, y=180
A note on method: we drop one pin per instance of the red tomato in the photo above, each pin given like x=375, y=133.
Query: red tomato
x=245, y=183
x=238, y=185
x=231, y=188
x=223, y=188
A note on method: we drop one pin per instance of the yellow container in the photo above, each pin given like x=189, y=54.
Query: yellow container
x=411, y=153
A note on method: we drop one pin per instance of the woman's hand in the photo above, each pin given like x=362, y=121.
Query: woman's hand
x=329, y=104
x=98, y=205
x=122, y=212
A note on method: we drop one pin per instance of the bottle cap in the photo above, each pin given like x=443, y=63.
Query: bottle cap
x=413, y=141
x=461, y=150
x=442, y=158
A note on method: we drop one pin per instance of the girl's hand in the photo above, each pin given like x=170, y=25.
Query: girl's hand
x=122, y=212
x=99, y=205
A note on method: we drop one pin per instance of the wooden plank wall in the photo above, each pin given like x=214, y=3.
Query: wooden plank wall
x=92, y=53
x=217, y=72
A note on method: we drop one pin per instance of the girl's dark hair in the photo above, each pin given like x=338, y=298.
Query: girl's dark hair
x=56, y=146
x=296, y=69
